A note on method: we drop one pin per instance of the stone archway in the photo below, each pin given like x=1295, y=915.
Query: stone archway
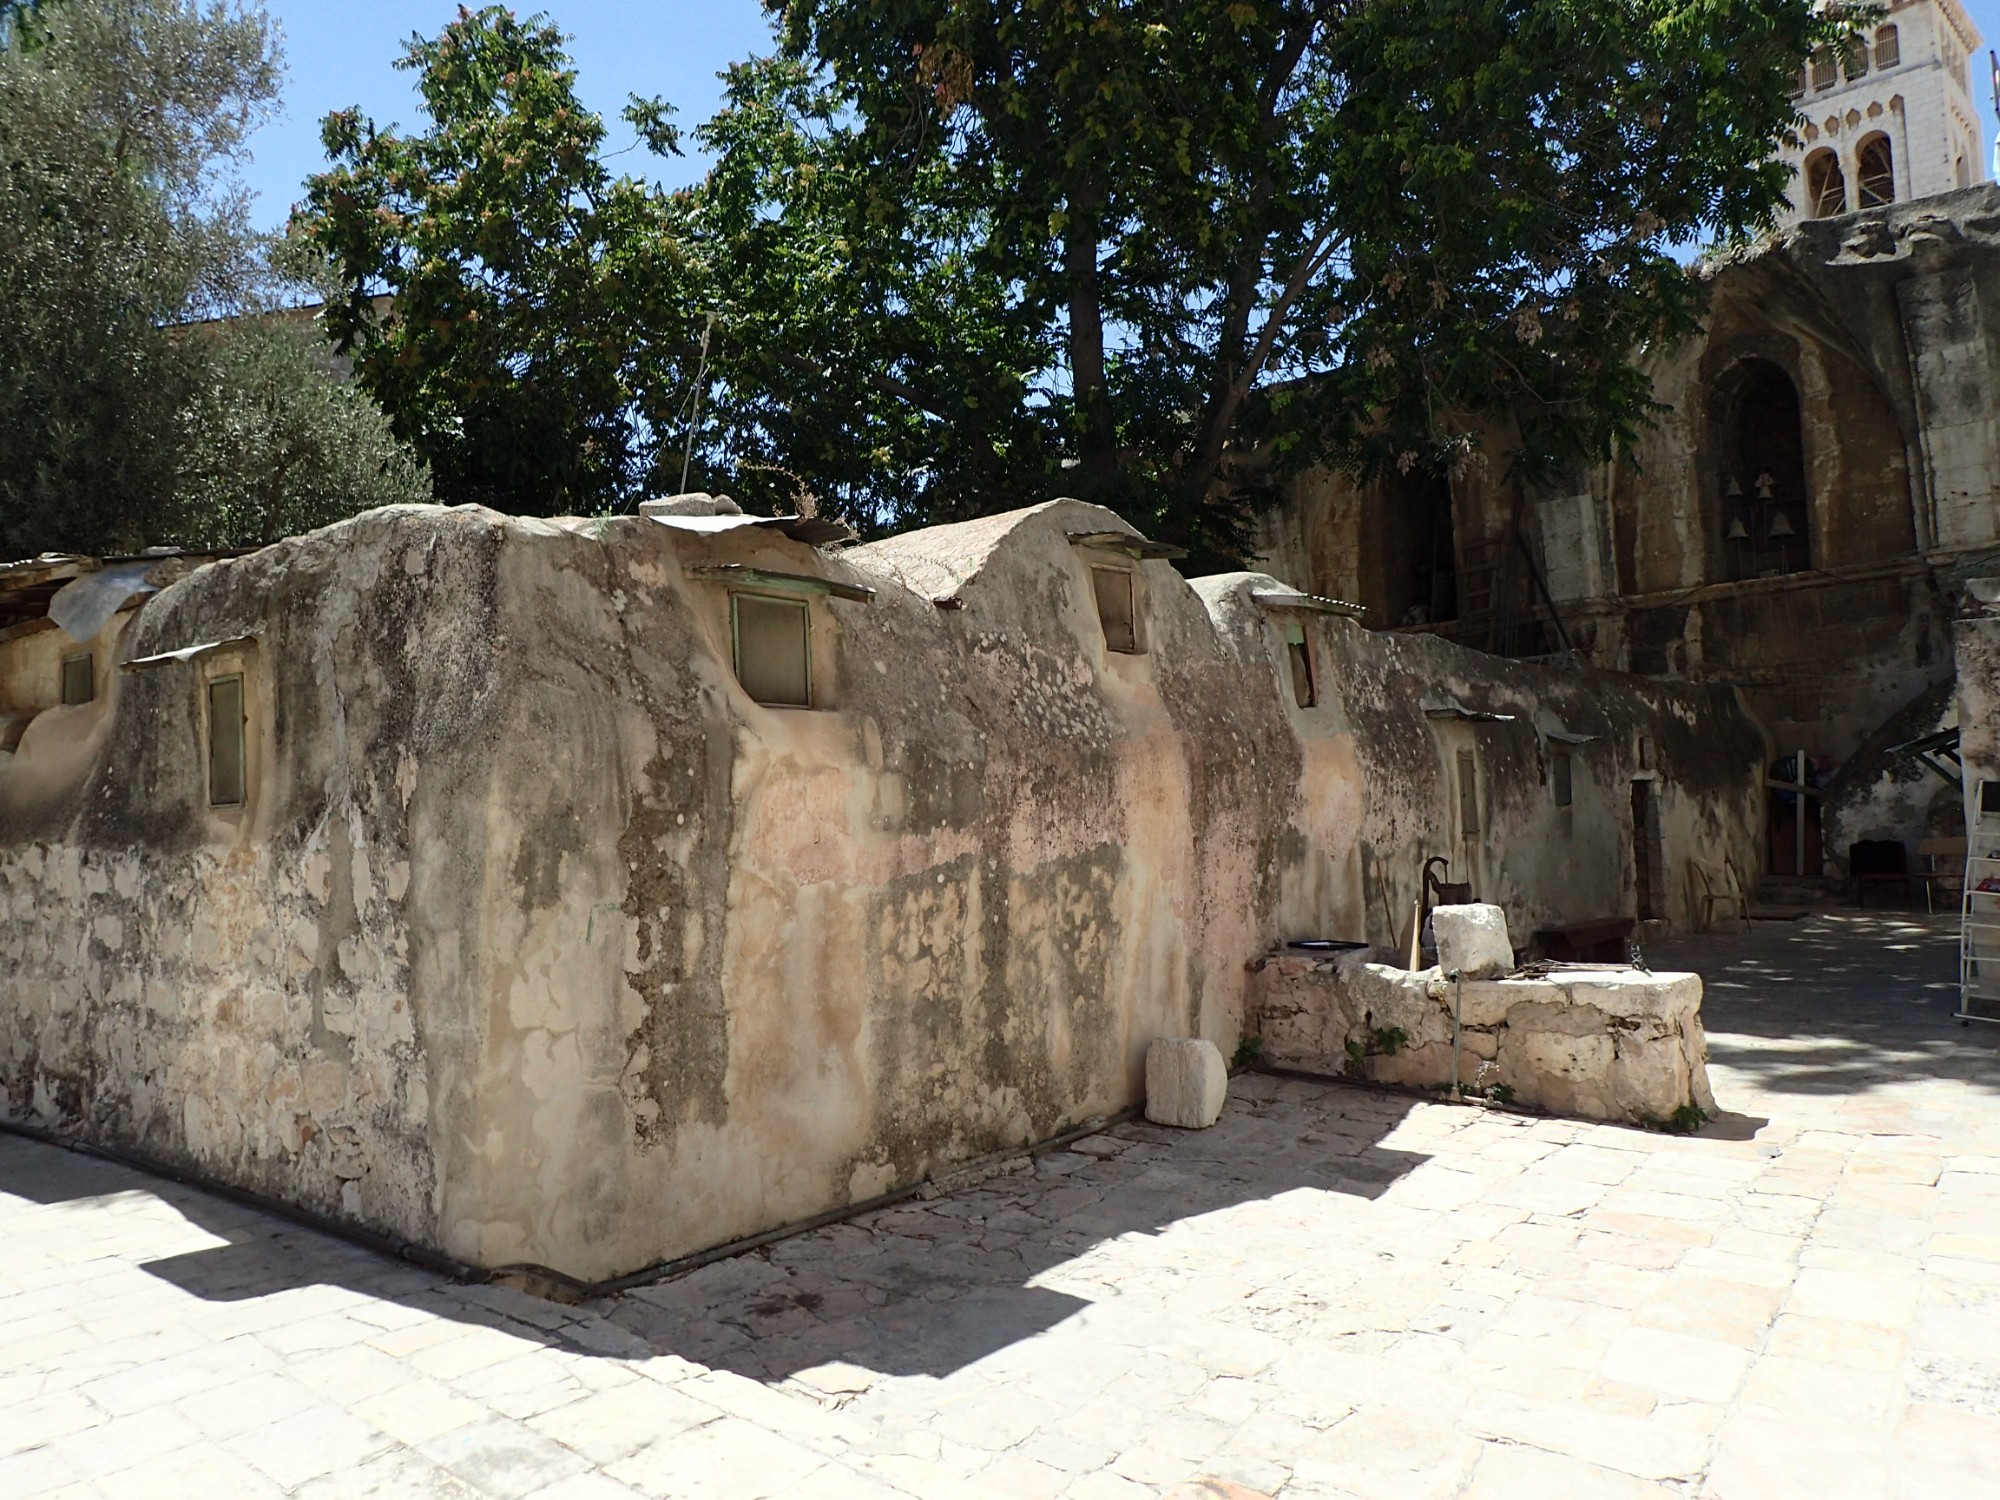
x=1762, y=509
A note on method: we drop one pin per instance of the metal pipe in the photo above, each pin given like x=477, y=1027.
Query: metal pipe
x=1799, y=823
x=1457, y=1013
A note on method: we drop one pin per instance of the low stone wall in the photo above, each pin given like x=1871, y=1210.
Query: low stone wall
x=1602, y=1044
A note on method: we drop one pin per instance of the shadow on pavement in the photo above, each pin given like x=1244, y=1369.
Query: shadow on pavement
x=923, y=1287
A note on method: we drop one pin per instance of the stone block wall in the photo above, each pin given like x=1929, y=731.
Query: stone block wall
x=1601, y=1044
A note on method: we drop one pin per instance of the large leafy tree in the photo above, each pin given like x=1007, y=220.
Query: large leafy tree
x=955, y=256
x=1209, y=231
x=133, y=387
x=519, y=311
x=872, y=352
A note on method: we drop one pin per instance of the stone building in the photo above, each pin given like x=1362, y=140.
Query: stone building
x=1891, y=117
x=582, y=894
x=1796, y=525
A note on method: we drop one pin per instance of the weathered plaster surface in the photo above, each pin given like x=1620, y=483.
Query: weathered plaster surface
x=538, y=941
x=1977, y=692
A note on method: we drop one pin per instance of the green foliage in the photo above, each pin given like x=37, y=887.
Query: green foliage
x=537, y=352
x=1157, y=253
x=868, y=360
x=125, y=419
x=1687, y=1119
x=1378, y=1041
x=1215, y=241
x=283, y=443
x=1249, y=1052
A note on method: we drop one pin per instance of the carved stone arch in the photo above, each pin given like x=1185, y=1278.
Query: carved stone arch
x=1854, y=432
x=1758, y=496
x=1874, y=171
x=1825, y=184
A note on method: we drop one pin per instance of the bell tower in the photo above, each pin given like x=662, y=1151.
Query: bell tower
x=1890, y=116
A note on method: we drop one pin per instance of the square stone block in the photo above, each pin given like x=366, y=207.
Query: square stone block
x=1472, y=940
x=1186, y=1082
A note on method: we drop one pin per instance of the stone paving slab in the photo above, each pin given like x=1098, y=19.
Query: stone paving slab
x=1332, y=1293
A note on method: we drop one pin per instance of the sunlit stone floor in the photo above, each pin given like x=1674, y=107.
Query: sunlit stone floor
x=1334, y=1292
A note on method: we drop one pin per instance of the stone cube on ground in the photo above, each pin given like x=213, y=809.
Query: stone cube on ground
x=1187, y=1082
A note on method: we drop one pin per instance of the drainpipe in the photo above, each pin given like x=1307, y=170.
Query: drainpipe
x=1457, y=1015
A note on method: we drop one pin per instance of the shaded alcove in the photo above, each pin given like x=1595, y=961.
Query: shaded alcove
x=1762, y=515
x=1409, y=555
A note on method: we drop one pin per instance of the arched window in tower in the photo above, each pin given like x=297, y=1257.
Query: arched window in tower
x=1763, y=515
x=1888, y=51
x=1824, y=71
x=1826, y=189
x=1875, y=172
x=1854, y=57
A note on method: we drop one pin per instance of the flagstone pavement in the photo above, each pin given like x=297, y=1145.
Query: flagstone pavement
x=1334, y=1292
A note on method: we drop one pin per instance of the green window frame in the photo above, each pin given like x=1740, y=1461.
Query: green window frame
x=228, y=779
x=771, y=646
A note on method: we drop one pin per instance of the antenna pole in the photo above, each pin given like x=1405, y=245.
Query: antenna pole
x=700, y=384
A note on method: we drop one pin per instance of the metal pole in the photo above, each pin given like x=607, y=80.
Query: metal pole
x=694, y=421
x=1799, y=831
x=1457, y=1011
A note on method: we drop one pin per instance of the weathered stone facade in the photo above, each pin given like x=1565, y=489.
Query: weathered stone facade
x=517, y=927
x=1825, y=473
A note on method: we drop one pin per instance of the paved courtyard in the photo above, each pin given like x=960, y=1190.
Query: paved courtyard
x=1334, y=1292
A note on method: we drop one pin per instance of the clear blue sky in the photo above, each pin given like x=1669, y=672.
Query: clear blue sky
x=339, y=52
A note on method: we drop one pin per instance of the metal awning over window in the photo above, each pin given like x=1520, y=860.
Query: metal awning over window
x=1127, y=543
x=1316, y=603
x=1444, y=706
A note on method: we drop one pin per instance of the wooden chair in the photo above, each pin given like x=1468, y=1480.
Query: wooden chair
x=1722, y=891
x=1943, y=867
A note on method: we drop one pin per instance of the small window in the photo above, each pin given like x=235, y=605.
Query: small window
x=1875, y=172
x=773, y=649
x=1854, y=57
x=1468, y=794
x=1298, y=650
x=1113, y=587
x=1560, y=778
x=1824, y=72
x=1888, y=51
x=1799, y=83
x=225, y=741
x=79, y=679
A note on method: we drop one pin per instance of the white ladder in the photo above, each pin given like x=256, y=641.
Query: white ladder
x=1979, y=922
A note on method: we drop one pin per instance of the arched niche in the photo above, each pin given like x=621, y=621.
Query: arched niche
x=1759, y=503
x=1826, y=188
x=1875, y=171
